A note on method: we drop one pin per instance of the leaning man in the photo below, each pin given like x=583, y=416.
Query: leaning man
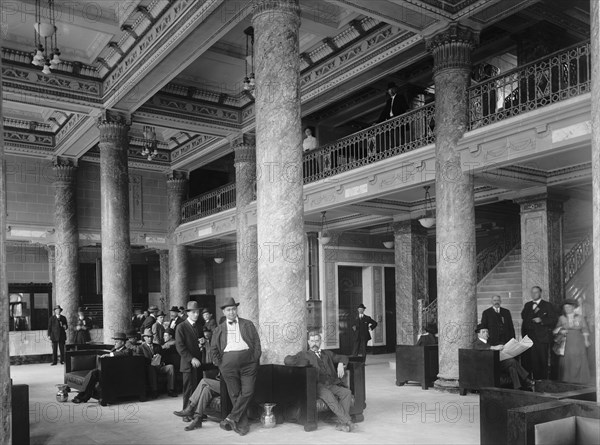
x=330, y=387
x=236, y=351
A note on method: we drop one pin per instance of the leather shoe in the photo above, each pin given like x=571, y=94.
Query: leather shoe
x=225, y=425
x=188, y=412
x=196, y=423
x=52, y=364
x=187, y=419
x=530, y=383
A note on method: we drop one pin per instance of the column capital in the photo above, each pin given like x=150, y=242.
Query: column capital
x=114, y=128
x=290, y=7
x=541, y=201
x=408, y=226
x=65, y=171
x=245, y=149
x=451, y=47
x=177, y=185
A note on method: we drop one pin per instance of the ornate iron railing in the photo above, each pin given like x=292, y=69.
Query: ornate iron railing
x=209, y=203
x=429, y=315
x=554, y=78
x=575, y=257
x=489, y=257
x=399, y=135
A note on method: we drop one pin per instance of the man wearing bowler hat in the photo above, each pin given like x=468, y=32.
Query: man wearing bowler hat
x=150, y=319
x=362, y=326
x=57, y=332
x=175, y=319
x=236, y=351
x=187, y=337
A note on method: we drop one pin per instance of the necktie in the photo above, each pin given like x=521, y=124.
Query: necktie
x=232, y=322
x=361, y=316
x=497, y=310
x=318, y=353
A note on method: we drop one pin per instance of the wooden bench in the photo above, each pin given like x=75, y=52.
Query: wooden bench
x=416, y=364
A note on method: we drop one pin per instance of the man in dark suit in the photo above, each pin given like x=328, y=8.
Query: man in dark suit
x=175, y=319
x=156, y=365
x=209, y=321
x=362, y=326
x=57, y=332
x=330, y=371
x=187, y=335
x=150, y=319
x=236, y=350
x=518, y=375
x=498, y=321
x=539, y=318
x=93, y=377
x=395, y=105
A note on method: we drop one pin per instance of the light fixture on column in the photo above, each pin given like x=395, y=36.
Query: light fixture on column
x=249, y=80
x=150, y=143
x=324, y=237
x=428, y=220
x=46, y=55
x=218, y=258
x=389, y=243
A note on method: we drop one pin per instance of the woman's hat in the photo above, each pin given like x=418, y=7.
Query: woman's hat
x=570, y=301
x=229, y=302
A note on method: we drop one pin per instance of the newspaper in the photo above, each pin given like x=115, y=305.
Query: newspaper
x=513, y=348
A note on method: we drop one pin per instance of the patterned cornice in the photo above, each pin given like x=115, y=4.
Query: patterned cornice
x=542, y=201
x=16, y=137
x=451, y=47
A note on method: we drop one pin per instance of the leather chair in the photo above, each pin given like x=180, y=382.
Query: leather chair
x=416, y=364
x=480, y=369
x=119, y=376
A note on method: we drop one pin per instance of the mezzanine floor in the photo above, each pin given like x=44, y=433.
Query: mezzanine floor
x=394, y=415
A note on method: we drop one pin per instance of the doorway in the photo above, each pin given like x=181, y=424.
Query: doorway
x=350, y=295
x=390, y=308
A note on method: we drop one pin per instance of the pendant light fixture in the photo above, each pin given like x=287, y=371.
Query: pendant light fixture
x=428, y=220
x=324, y=237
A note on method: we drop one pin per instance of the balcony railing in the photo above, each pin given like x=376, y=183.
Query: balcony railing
x=214, y=201
x=554, y=78
x=576, y=257
x=390, y=138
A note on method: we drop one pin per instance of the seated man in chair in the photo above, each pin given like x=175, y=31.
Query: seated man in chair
x=511, y=366
x=156, y=365
x=93, y=377
x=330, y=387
x=206, y=390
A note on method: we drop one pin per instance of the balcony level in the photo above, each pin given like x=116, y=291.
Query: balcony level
x=529, y=128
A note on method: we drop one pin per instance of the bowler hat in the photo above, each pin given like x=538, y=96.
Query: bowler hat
x=169, y=331
x=147, y=333
x=153, y=308
x=181, y=309
x=480, y=327
x=570, y=301
x=119, y=336
x=58, y=307
x=193, y=306
x=361, y=306
x=206, y=311
x=229, y=302
x=174, y=309
x=131, y=333
x=160, y=313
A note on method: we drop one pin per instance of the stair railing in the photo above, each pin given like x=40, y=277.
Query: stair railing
x=575, y=257
x=491, y=256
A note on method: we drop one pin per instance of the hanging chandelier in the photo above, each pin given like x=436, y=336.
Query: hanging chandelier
x=428, y=220
x=249, y=80
x=150, y=143
x=47, y=54
x=324, y=237
x=389, y=235
x=218, y=258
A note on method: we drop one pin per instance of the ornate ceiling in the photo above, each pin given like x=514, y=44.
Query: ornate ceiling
x=178, y=65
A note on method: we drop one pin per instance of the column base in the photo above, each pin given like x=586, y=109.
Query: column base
x=446, y=385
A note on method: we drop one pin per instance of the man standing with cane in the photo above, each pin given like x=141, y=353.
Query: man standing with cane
x=236, y=351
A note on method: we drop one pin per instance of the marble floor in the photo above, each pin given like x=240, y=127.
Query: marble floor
x=394, y=415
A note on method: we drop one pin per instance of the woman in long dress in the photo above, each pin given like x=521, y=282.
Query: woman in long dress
x=572, y=340
x=82, y=329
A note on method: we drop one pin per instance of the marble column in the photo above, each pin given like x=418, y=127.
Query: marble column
x=51, y=265
x=163, y=259
x=595, y=43
x=313, y=265
x=247, y=251
x=114, y=200
x=541, y=246
x=178, y=254
x=280, y=205
x=66, y=235
x=412, y=280
x=5, y=391
x=455, y=210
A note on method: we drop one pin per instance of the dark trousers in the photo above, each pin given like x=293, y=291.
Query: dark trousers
x=338, y=399
x=89, y=384
x=537, y=360
x=515, y=370
x=55, y=346
x=239, y=372
x=360, y=346
x=152, y=373
x=190, y=381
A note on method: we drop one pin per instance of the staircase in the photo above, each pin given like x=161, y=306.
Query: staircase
x=505, y=280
